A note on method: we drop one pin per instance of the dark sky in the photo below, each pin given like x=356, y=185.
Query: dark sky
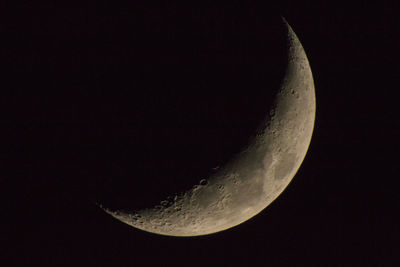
x=121, y=102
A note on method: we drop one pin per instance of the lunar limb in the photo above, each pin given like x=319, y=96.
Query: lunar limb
x=253, y=178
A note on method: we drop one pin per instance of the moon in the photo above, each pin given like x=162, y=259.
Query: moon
x=252, y=179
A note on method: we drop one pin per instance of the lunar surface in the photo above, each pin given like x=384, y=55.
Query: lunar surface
x=253, y=178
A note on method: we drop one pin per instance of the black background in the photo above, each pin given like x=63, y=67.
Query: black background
x=96, y=95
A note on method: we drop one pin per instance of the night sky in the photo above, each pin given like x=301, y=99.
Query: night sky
x=124, y=102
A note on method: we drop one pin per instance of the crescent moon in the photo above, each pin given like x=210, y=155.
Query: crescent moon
x=256, y=176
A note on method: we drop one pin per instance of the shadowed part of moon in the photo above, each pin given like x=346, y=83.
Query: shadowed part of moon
x=253, y=178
